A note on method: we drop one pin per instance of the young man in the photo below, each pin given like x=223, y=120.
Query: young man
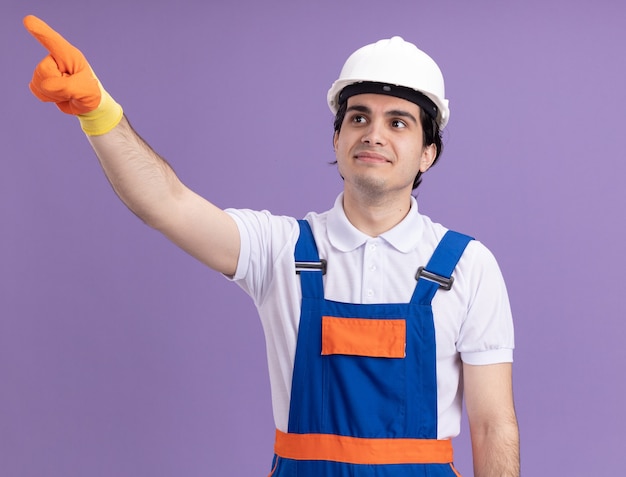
x=372, y=313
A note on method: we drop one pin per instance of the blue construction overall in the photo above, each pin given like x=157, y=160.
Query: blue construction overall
x=364, y=391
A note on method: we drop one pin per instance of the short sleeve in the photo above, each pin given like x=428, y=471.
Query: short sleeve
x=265, y=238
x=486, y=335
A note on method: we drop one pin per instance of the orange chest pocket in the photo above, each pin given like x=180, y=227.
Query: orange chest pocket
x=364, y=337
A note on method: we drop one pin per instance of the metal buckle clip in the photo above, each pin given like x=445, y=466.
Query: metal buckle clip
x=443, y=282
x=311, y=266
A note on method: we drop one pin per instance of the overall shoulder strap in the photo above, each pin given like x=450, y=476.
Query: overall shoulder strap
x=438, y=272
x=308, y=264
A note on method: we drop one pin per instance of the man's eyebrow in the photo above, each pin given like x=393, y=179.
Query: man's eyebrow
x=402, y=114
x=394, y=112
x=360, y=108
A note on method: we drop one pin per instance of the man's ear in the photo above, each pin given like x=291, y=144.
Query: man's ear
x=429, y=154
x=335, y=139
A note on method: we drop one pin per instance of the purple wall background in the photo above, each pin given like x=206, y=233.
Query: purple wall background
x=119, y=355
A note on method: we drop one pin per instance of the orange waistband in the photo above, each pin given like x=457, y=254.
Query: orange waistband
x=357, y=450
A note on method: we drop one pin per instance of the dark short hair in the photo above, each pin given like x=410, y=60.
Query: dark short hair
x=430, y=128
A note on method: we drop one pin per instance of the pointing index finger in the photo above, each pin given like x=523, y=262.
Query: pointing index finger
x=61, y=50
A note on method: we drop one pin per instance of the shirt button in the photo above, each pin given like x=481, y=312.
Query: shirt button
x=370, y=293
x=373, y=268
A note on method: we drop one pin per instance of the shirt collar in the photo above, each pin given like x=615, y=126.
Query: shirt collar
x=346, y=237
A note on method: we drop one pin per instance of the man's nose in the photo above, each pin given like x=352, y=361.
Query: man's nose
x=374, y=134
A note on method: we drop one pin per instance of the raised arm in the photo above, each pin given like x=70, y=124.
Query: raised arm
x=493, y=425
x=141, y=178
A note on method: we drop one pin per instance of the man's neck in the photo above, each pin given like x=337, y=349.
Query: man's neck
x=374, y=217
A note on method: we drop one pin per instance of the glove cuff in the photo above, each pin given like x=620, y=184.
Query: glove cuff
x=102, y=119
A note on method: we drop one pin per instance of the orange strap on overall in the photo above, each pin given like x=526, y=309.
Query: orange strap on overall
x=357, y=450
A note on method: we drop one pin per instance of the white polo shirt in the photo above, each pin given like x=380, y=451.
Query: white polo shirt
x=472, y=321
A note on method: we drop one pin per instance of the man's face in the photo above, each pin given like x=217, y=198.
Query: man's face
x=380, y=146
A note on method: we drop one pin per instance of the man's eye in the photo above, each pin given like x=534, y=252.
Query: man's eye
x=396, y=123
x=358, y=119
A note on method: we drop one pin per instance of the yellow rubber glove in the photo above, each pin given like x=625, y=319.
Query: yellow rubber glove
x=64, y=77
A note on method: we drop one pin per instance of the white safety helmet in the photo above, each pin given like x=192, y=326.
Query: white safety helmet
x=381, y=66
